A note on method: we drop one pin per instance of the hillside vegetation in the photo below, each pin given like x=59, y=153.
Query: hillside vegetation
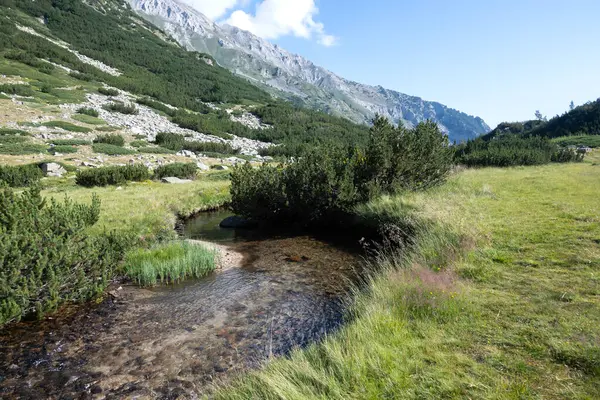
x=582, y=120
x=139, y=60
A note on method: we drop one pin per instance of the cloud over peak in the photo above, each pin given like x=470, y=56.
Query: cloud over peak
x=271, y=18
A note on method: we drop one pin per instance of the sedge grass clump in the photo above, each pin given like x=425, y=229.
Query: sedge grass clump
x=170, y=262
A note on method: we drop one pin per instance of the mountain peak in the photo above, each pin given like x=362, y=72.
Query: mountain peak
x=292, y=76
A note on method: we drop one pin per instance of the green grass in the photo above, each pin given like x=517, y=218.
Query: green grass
x=121, y=211
x=139, y=143
x=500, y=299
x=88, y=119
x=67, y=126
x=579, y=140
x=169, y=263
x=111, y=149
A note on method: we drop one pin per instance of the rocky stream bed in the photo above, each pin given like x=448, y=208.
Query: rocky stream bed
x=270, y=295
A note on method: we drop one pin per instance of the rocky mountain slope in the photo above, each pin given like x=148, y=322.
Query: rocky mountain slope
x=294, y=77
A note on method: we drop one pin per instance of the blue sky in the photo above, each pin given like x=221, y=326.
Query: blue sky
x=498, y=59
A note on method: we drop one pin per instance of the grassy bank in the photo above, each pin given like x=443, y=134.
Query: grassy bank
x=169, y=263
x=146, y=208
x=501, y=299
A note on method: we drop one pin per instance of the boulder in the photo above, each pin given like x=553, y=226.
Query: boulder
x=220, y=167
x=172, y=179
x=52, y=169
x=237, y=222
x=202, y=166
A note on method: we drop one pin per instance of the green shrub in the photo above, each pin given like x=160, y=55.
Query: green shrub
x=168, y=263
x=19, y=90
x=171, y=141
x=63, y=149
x=121, y=107
x=17, y=149
x=67, y=126
x=511, y=150
x=111, y=149
x=88, y=111
x=209, y=147
x=107, y=128
x=113, y=139
x=156, y=105
x=108, y=91
x=46, y=255
x=70, y=142
x=578, y=140
x=13, y=139
x=115, y=175
x=178, y=170
x=323, y=186
x=177, y=142
x=155, y=150
x=139, y=143
x=8, y=131
x=82, y=76
x=21, y=175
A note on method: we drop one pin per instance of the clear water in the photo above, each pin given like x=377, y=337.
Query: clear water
x=176, y=340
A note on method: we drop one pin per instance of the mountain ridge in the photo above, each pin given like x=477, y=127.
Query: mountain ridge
x=295, y=78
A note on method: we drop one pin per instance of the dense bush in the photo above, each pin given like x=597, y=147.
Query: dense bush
x=108, y=91
x=115, y=175
x=88, y=111
x=176, y=142
x=511, y=150
x=21, y=175
x=46, y=255
x=111, y=149
x=82, y=76
x=139, y=143
x=17, y=149
x=323, y=185
x=9, y=131
x=19, y=90
x=154, y=150
x=157, y=105
x=178, y=170
x=114, y=139
x=121, y=107
x=70, y=142
x=13, y=139
x=67, y=126
x=578, y=140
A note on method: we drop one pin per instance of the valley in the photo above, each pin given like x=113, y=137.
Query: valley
x=188, y=211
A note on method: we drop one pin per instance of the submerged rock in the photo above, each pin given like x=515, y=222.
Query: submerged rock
x=237, y=222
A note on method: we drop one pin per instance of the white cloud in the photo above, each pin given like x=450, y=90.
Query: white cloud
x=275, y=18
x=214, y=9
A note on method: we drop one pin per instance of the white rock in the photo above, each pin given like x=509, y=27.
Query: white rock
x=174, y=180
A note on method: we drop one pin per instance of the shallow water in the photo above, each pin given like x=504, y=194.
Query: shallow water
x=176, y=340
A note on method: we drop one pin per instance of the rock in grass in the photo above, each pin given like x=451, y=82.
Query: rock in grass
x=237, y=222
x=172, y=179
x=52, y=169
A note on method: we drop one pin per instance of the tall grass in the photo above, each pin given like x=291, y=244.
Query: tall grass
x=169, y=263
x=497, y=297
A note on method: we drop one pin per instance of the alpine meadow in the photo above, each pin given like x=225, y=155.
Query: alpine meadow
x=187, y=210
